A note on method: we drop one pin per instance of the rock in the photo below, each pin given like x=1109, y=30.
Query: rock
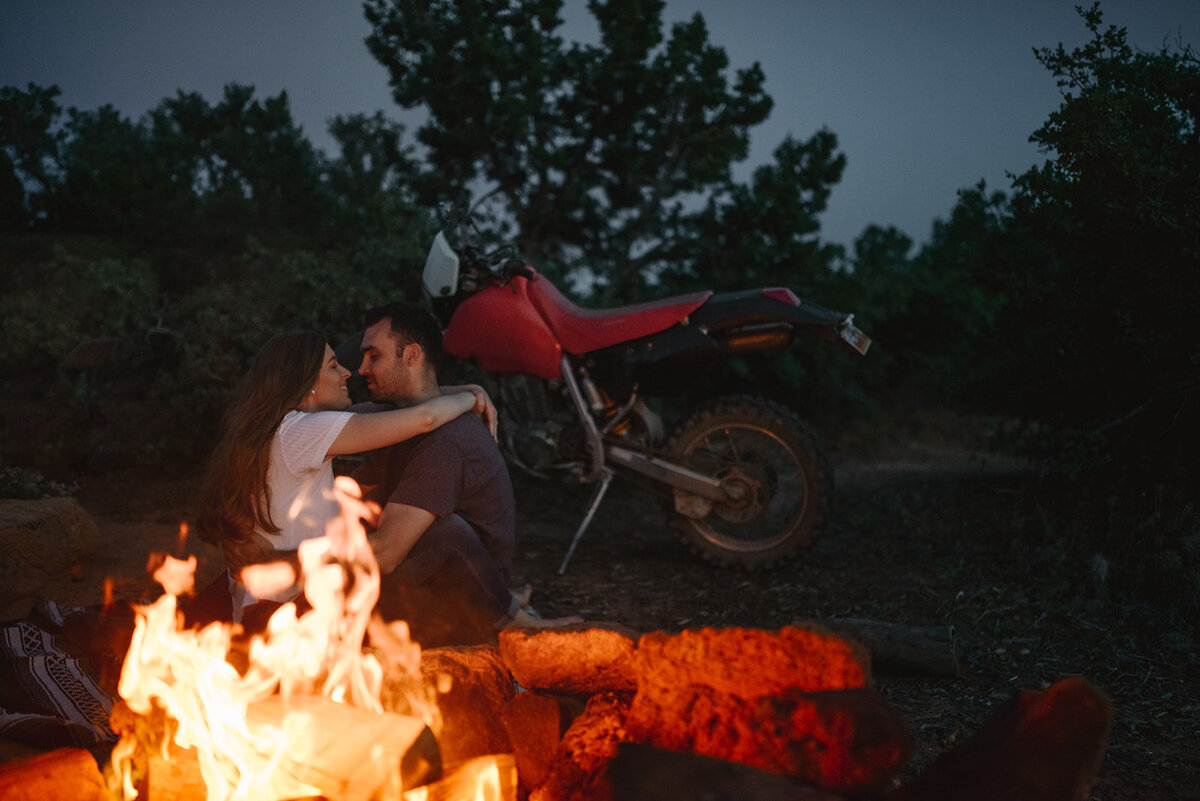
x=578, y=659
x=535, y=724
x=580, y=761
x=474, y=688
x=66, y=774
x=40, y=541
x=794, y=702
x=1042, y=746
x=750, y=662
x=849, y=741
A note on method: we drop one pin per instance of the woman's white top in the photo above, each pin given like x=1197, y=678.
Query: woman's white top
x=301, y=481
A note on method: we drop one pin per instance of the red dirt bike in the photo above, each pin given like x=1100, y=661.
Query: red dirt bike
x=747, y=482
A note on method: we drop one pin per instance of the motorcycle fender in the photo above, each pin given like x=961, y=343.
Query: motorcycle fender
x=661, y=364
x=501, y=330
x=726, y=314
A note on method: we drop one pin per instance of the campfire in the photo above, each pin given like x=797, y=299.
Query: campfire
x=335, y=703
x=305, y=717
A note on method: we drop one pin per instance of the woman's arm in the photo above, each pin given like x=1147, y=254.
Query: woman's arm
x=366, y=432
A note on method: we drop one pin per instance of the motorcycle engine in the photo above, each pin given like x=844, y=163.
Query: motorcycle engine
x=538, y=429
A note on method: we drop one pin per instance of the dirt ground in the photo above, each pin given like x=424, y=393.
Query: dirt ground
x=911, y=540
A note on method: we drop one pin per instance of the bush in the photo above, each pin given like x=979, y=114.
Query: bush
x=23, y=484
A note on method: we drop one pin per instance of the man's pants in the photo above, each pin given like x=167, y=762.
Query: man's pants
x=448, y=588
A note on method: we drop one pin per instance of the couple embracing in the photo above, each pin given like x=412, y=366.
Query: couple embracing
x=444, y=536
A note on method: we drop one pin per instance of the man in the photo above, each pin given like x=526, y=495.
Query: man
x=445, y=538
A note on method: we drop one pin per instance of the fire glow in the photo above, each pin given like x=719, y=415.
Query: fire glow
x=275, y=731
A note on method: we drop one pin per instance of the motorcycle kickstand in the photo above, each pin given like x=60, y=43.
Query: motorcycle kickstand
x=597, y=496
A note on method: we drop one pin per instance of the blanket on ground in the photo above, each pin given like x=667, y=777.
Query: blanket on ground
x=50, y=697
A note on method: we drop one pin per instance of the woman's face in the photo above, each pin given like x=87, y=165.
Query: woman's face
x=329, y=392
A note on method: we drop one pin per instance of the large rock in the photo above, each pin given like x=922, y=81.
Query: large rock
x=1043, y=745
x=848, y=741
x=577, y=772
x=68, y=774
x=40, y=541
x=535, y=724
x=795, y=702
x=579, y=659
x=750, y=662
x=473, y=690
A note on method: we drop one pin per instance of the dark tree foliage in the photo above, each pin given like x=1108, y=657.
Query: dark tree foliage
x=1118, y=212
x=370, y=180
x=186, y=172
x=29, y=147
x=762, y=234
x=220, y=221
x=765, y=233
x=610, y=156
x=1071, y=303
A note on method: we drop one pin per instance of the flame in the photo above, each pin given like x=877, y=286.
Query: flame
x=486, y=778
x=250, y=730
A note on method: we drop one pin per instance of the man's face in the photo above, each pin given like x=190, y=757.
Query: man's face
x=393, y=371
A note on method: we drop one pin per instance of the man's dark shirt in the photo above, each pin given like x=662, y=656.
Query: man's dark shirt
x=454, y=469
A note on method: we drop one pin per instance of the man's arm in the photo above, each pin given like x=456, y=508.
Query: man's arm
x=399, y=529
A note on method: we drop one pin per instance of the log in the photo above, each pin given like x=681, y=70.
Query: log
x=334, y=750
x=175, y=776
x=343, y=751
x=930, y=650
x=493, y=777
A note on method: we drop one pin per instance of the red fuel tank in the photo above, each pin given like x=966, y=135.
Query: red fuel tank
x=500, y=328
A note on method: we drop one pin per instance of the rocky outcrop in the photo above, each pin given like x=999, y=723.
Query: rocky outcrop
x=41, y=540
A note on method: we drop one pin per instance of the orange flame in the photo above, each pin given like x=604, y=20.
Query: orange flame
x=250, y=731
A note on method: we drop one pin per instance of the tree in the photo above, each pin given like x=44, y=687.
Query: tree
x=1118, y=210
x=371, y=180
x=765, y=232
x=29, y=147
x=596, y=155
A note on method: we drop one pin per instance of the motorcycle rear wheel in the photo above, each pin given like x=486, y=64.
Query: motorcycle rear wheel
x=776, y=464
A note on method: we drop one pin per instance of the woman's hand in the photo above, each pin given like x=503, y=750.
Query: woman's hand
x=483, y=405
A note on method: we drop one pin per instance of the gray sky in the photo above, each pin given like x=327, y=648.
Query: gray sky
x=926, y=96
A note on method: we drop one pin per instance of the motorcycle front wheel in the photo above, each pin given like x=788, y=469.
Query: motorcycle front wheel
x=778, y=478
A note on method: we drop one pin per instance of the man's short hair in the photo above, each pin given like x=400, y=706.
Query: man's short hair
x=410, y=324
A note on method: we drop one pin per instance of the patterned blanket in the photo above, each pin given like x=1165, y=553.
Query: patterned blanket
x=50, y=696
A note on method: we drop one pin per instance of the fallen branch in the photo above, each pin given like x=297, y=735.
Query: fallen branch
x=896, y=646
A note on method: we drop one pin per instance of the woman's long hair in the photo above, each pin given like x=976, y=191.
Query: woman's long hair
x=235, y=498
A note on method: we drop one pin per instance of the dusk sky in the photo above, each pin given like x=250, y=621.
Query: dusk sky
x=926, y=96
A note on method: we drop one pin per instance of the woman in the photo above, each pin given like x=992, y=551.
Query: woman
x=271, y=473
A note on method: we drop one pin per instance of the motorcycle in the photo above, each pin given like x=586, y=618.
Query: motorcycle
x=747, y=482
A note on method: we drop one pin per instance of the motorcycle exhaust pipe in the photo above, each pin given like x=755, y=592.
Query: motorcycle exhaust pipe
x=754, y=338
